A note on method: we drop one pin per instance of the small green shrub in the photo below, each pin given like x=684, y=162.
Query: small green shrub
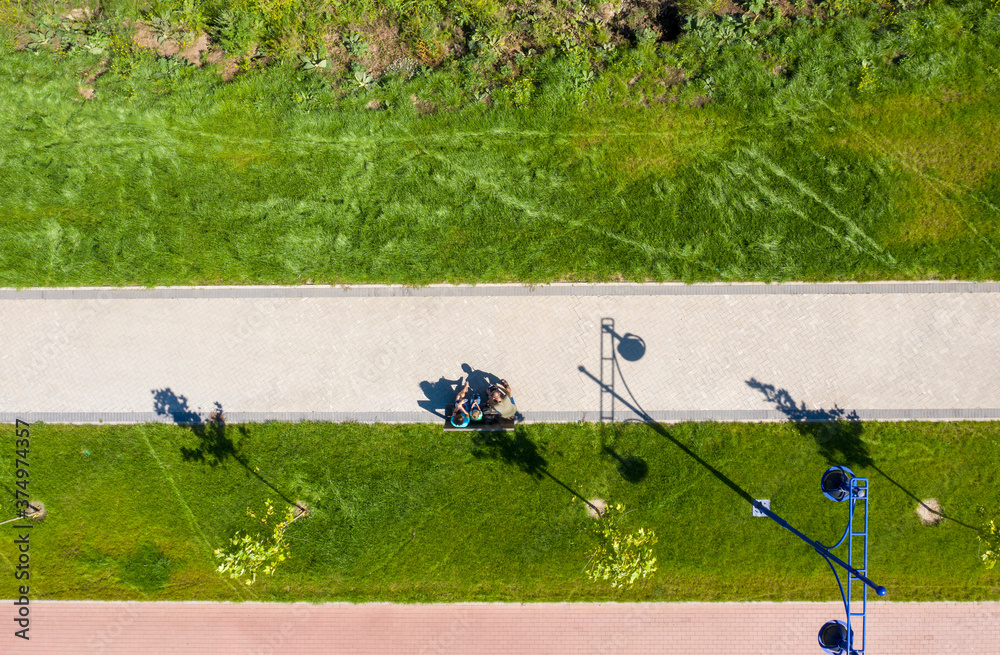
x=623, y=558
x=236, y=31
x=355, y=44
x=989, y=538
x=249, y=555
x=515, y=94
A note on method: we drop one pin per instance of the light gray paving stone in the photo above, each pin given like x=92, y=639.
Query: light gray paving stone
x=914, y=350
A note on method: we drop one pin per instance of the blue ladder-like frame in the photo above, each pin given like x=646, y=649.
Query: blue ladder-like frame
x=858, y=492
x=859, y=495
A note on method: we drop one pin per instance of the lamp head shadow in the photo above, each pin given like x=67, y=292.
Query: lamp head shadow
x=632, y=468
x=631, y=347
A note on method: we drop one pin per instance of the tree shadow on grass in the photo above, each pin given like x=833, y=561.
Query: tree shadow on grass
x=214, y=446
x=519, y=451
x=632, y=468
x=837, y=433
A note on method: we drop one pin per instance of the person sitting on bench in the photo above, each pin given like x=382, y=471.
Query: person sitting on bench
x=460, y=416
x=502, y=400
x=474, y=410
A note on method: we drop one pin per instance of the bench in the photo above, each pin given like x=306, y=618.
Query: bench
x=491, y=421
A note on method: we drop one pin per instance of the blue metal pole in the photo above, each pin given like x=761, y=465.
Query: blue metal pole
x=820, y=548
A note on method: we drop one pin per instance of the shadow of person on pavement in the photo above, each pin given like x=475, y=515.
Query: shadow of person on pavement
x=836, y=431
x=438, y=394
x=520, y=451
x=479, y=381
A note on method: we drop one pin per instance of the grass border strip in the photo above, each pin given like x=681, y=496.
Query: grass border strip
x=485, y=290
x=662, y=416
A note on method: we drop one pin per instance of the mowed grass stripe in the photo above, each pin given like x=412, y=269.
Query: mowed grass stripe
x=408, y=514
x=192, y=188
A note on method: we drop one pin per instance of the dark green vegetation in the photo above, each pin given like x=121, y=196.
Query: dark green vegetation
x=406, y=513
x=840, y=141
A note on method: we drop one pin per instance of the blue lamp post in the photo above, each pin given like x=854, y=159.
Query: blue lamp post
x=840, y=485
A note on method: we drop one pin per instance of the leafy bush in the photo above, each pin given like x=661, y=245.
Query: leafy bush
x=236, y=31
x=621, y=557
x=989, y=538
x=251, y=554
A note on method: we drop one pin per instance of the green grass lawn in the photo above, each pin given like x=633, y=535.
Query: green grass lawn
x=408, y=513
x=196, y=181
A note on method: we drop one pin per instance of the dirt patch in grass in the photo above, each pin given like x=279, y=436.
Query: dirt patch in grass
x=90, y=75
x=423, y=106
x=929, y=511
x=195, y=50
x=228, y=66
x=145, y=37
x=384, y=45
x=83, y=14
x=672, y=76
x=86, y=92
x=700, y=101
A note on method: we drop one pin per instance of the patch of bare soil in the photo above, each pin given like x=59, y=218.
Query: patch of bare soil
x=596, y=508
x=102, y=68
x=86, y=92
x=194, y=51
x=83, y=14
x=145, y=37
x=228, y=66
x=215, y=56
x=36, y=511
x=375, y=104
x=700, y=101
x=423, y=106
x=384, y=45
x=672, y=76
x=728, y=7
x=929, y=511
x=789, y=9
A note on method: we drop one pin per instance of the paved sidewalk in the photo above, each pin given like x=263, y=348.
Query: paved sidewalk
x=725, y=352
x=91, y=628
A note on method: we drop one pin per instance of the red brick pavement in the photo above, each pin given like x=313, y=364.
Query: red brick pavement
x=95, y=628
